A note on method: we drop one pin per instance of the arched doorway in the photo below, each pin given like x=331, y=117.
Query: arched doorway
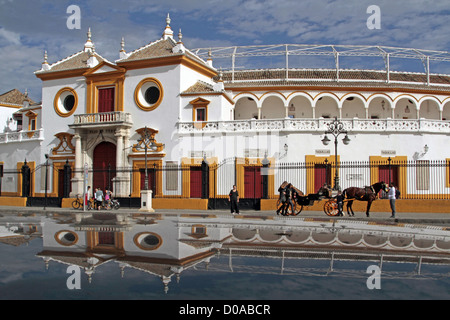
x=104, y=166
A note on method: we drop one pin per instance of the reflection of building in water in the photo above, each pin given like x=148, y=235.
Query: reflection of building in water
x=20, y=230
x=157, y=245
x=165, y=246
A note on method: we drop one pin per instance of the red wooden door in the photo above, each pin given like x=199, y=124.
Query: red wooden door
x=104, y=166
x=383, y=175
x=322, y=175
x=196, y=182
x=252, y=183
x=106, y=100
x=106, y=238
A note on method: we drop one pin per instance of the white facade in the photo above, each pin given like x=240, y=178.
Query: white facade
x=193, y=110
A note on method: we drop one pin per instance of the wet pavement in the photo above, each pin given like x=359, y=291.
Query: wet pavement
x=402, y=217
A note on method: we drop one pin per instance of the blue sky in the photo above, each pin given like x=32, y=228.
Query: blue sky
x=27, y=28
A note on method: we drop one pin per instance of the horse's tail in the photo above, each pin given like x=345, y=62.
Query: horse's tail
x=344, y=193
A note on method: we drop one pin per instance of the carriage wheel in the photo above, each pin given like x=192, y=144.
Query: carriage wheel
x=297, y=209
x=331, y=208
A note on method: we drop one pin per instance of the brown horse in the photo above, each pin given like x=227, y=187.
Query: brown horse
x=368, y=194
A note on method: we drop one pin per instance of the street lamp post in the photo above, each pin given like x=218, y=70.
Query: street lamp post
x=146, y=194
x=336, y=128
x=148, y=143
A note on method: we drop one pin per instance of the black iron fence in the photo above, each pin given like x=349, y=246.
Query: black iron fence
x=256, y=179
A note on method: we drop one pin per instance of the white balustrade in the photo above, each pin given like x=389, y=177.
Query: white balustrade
x=102, y=118
x=316, y=125
x=22, y=136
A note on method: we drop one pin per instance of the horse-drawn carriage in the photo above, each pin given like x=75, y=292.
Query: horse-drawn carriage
x=369, y=194
x=299, y=200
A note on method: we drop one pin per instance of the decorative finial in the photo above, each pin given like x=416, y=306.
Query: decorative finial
x=122, y=45
x=180, y=36
x=45, y=65
x=168, y=33
x=88, y=46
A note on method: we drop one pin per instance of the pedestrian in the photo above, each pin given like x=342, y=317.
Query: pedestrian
x=233, y=198
x=288, y=194
x=99, y=198
x=87, y=197
x=340, y=202
x=282, y=198
x=107, y=198
x=391, y=197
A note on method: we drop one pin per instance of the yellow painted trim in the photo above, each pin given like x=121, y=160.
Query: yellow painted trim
x=197, y=104
x=138, y=88
x=94, y=82
x=167, y=61
x=312, y=160
x=56, y=100
x=242, y=163
x=376, y=161
x=66, y=244
x=136, y=186
x=12, y=201
x=136, y=237
x=187, y=204
x=56, y=167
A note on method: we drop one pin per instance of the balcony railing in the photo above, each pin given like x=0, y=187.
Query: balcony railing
x=316, y=125
x=102, y=119
x=22, y=136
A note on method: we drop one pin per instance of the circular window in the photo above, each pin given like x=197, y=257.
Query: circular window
x=69, y=103
x=148, y=94
x=152, y=95
x=147, y=240
x=65, y=102
x=66, y=237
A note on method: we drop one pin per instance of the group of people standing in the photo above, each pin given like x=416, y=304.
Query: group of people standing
x=100, y=199
x=287, y=194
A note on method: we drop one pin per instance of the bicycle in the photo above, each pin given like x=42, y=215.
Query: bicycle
x=78, y=203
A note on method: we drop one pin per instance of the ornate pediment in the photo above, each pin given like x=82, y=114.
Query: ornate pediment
x=65, y=146
x=147, y=139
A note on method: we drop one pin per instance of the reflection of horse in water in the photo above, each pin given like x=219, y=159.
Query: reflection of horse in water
x=368, y=194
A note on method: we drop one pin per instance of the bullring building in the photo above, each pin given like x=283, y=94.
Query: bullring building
x=198, y=121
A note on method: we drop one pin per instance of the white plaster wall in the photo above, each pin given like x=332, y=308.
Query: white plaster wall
x=6, y=122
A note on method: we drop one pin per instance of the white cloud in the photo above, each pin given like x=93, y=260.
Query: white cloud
x=9, y=36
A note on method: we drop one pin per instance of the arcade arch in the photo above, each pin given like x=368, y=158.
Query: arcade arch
x=405, y=108
x=327, y=106
x=246, y=108
x=353, y=106
x=273, y=108
x=429, y=109
x=379, y=107
x=300, y=107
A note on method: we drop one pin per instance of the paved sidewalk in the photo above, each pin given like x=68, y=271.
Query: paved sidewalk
x=402, y=217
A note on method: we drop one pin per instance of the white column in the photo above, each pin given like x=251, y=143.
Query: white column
x=119, y=150
x=78, y=160
x=77, y=180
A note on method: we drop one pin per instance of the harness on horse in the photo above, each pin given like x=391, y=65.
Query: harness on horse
x=368, y=190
